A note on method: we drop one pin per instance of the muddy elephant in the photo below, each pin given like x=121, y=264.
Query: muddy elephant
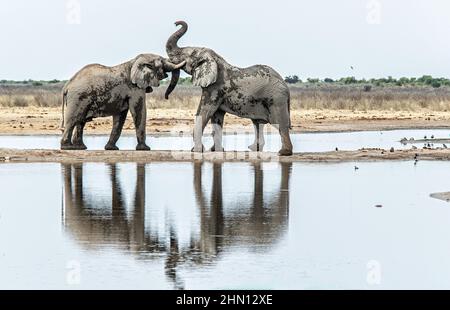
x=97, y=91
x=257, y=92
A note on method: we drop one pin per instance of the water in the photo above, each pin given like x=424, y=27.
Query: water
x=224, y=226
x=303, y=142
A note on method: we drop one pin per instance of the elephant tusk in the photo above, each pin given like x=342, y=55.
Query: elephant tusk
x=172, y=66
x=180, y=65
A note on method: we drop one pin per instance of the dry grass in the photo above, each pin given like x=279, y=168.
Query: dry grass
x=303, y=96
x=30, y=96
x=354, y=98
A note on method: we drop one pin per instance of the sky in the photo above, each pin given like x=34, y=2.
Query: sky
x=52, y=39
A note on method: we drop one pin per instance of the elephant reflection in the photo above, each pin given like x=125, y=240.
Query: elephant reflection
x=263, y=225
x=93, y=222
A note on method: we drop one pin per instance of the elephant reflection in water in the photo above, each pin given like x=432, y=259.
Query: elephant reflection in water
x=263, y=224
x=97, y=223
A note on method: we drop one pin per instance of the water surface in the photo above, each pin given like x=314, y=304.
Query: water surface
x=224, y=226
x=303, y=142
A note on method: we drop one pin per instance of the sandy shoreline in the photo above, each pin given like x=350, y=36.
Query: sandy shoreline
x=21, y=156
x=46, y=121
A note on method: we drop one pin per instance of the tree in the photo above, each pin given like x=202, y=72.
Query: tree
x=292, y=79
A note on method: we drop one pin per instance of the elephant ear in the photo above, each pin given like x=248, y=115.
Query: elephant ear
x=205, y=73
x=141, y=74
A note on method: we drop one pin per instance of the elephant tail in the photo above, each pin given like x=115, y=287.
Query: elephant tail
x=289, y=110
x=63, y=103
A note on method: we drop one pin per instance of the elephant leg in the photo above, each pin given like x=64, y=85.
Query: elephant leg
x=217, y=123
x=286, y=144
x=66, y=143
x=201, y=120
x=77, y=139
x=139, y=112
x=258, y=145
x=118, y=122
x=280, y=118
x=207, y=108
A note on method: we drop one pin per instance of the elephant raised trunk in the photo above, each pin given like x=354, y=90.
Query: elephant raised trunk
x=172, y=42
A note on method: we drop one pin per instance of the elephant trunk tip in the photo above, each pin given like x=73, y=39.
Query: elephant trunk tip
x=172, y=42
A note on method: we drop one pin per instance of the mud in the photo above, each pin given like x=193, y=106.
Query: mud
x=362, y=155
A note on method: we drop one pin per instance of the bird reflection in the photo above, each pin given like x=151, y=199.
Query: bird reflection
x=94, y=223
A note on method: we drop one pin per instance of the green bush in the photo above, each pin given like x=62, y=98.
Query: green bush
x=292, y=79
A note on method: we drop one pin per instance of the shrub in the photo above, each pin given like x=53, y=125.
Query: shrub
x=367, y=88
x=436, y=84
x=292, y=79
x=312, y=81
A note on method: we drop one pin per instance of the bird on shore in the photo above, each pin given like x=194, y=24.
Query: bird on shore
x=425, y=137
x=414, y=147
x=337, y=149
x=445, y=146
x=432, y=136
x=356, y=167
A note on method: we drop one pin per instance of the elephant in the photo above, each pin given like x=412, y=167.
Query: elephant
x=257, y=92
x=97, y=91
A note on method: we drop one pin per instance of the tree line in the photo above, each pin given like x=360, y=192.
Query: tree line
x=425, y=80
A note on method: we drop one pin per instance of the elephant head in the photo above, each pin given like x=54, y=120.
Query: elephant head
x=201, y=63
x=148, y=69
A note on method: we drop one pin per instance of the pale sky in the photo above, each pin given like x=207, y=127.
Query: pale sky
x=42, y=39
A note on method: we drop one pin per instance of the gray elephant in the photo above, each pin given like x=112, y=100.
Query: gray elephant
x=257, y=92
x=97, y=91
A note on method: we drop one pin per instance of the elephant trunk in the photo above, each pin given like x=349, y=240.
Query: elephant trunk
x=173, y=83
x=175, y=69
x=172, y=42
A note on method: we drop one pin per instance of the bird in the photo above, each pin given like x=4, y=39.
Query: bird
x=432, y=136
x=425, y=137
x=414, y=147
x=378, y=206
x=337, y=149
x=391, y=150
x=445, y=146
x=356, y=167
x=351, y=67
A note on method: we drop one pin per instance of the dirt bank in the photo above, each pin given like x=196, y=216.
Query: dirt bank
x=33, y=120
x=13, y=155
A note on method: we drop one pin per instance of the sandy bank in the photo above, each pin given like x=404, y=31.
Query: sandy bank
x=33, y=120
x=14, y=155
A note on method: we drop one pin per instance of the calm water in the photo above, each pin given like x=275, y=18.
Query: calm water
x=224, y=226
x=307, y=142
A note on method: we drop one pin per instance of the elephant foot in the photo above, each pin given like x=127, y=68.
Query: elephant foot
x=111, y=147
x=142, y=147
x=79, y=146
x=198, y=149
x=68, y=146
x=213, y=149
x=256, y=148
x=285, y=152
